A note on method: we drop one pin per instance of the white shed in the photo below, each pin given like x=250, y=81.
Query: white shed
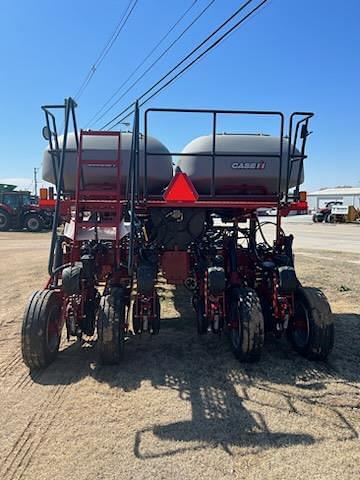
x=348, y=196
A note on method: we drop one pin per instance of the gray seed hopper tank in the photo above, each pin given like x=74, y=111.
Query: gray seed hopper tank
x=238, y=175
x=159, y=169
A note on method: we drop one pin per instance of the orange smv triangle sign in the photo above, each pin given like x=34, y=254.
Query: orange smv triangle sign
x=180, y=189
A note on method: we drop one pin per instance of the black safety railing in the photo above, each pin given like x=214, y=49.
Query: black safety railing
x=292, y=155
x=214, y=154
x=133, y=186
x=302, y=126
x=51, y=133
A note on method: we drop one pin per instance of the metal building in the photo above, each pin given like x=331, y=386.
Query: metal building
x=348, y=196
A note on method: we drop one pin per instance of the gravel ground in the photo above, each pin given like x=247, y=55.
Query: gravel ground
x=180, y=406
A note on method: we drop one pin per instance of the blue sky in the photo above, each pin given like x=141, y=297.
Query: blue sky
x=293, y=55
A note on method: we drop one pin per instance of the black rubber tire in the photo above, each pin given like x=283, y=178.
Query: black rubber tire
x=110, y=327
x=315, y=219
x=315, y=340
x=4, y=221
x=155, y=326
x=247, y=341
x=88, y=324
x=33, y=223
x=47, y=223
x=42, y=313
x=202, y=323
x=136, y=324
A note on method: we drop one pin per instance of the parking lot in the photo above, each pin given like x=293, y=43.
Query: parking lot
x=320, y=236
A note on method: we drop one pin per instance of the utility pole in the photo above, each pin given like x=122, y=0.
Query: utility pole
x=35, y=181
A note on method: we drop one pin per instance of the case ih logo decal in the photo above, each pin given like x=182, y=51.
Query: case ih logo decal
x=248, y=165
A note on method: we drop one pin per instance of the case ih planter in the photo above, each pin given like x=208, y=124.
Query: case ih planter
x=125, y=224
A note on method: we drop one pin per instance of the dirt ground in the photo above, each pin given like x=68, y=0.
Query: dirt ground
x=180, y=406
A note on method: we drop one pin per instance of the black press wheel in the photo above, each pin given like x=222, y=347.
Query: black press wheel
x=33, y=223
x=155, y=324
x=202, y=323
x=88, y=324
x=41, y=329
x=136, y=322
x=4, y=221
x=247, y=325
x=311, y=330
x=111, y=327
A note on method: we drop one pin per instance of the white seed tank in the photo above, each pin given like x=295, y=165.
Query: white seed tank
x=238, y=175
x=159, y=168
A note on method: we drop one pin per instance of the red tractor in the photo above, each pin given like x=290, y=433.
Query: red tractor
x=201, y=230
x=19, y=209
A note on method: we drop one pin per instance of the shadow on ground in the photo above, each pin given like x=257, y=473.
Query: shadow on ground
x=204, y=372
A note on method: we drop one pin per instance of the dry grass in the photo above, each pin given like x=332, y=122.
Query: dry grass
x=180, y=406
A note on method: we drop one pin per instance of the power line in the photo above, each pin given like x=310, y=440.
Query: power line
x=189, y=55
x=105, y=50
x=152, y=64
x=119, y=27
x=141, y=63
x=213, y=45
